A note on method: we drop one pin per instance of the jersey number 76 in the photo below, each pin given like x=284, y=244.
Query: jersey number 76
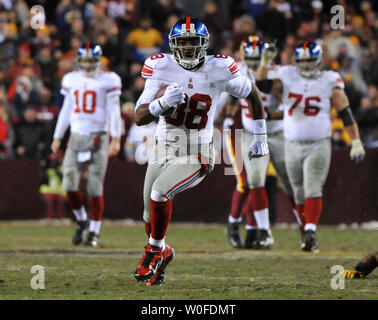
x=309, y=109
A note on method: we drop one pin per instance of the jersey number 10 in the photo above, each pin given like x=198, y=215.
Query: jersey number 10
x=87, y=107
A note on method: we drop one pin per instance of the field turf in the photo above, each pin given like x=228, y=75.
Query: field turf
x=205, y=266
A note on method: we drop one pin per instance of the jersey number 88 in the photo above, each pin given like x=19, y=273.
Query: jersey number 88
x=199, y=105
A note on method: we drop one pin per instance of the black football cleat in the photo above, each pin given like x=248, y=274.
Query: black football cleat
x=81, y=227
x=310, y=243
x=233, y=235
x=251, y=237
x=92, y=240
x=264, y=240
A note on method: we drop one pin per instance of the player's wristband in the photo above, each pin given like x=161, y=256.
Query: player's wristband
x=156, y=108
x=259, y=126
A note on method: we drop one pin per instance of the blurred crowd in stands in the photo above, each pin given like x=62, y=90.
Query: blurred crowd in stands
x=32, y=62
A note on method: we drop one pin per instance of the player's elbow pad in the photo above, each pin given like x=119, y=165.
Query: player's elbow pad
x=239, y=87
x=346, y=116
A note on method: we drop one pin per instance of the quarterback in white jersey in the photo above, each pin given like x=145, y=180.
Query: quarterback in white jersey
x=90, y=107
x=260, y=237
x=307, y=96
x=183, y=152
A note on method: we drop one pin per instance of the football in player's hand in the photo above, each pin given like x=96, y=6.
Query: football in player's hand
x=158, y=95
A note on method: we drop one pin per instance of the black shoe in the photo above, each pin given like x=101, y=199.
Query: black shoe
x=250, y=238
x=310, y=243
x=81, y=227
x=233, y=235
x=92, y=239
x=264, y=240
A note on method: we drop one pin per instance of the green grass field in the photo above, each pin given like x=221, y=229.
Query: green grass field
x=205, y=266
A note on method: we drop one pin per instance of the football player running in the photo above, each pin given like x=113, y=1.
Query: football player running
x=260, y=238
x=183, y=152
x=308, y=94
x=91, y=105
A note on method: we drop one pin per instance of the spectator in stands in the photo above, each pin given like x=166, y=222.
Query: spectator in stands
x=214, y=22
x=100, y=22
x=145, y=39
x=25, y=96
x=6, y=132
x=367, y=118
x=244, y=26
x=24, y=60
x=30, y=136
x=8, y=47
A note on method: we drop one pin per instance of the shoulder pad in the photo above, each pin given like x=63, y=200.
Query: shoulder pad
x=153, y=64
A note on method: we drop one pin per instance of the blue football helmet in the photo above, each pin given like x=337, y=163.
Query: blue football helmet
x=251, y=52
x=91, y=53
x=308, y=58
x=189, y=40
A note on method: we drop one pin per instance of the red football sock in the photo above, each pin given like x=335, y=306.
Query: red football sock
x=313, y=210
x=258, y=199
x=236, y=203
x=75, y=199
x=96, y=205
x=161, y=213
x=250, y=218
x=147, y=227
x=299, y=208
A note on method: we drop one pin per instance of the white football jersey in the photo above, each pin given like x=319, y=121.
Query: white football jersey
x=306, y=102
x=88, y=98
x=202, y=90
x=271, y=125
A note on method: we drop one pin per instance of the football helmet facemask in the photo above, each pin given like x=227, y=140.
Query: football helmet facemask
x=89, y=59
x=189, y=40
x=308, y=59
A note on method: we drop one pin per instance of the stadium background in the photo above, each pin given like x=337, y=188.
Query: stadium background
x=34, y=61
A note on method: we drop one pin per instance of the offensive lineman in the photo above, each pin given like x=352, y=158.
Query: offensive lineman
x=183, y=152
x=307, y=96
x=256, y=169
x=91, y=104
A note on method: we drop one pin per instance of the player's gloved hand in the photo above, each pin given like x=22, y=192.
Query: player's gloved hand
x=268, y=55
x=259, y=146
x=228, y=121
x=173, y=96
x=352, y=274
x=357, y=153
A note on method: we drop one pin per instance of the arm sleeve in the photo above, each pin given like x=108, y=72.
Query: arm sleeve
x=151, y=87
x=63, y=118
x=239, y=87
x=114, y=112
x=64, y=90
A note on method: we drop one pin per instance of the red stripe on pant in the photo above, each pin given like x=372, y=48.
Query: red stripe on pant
x=258, y=199
x=313, y=210
x=161, y=213
x=75, y=199
x=96, y=205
